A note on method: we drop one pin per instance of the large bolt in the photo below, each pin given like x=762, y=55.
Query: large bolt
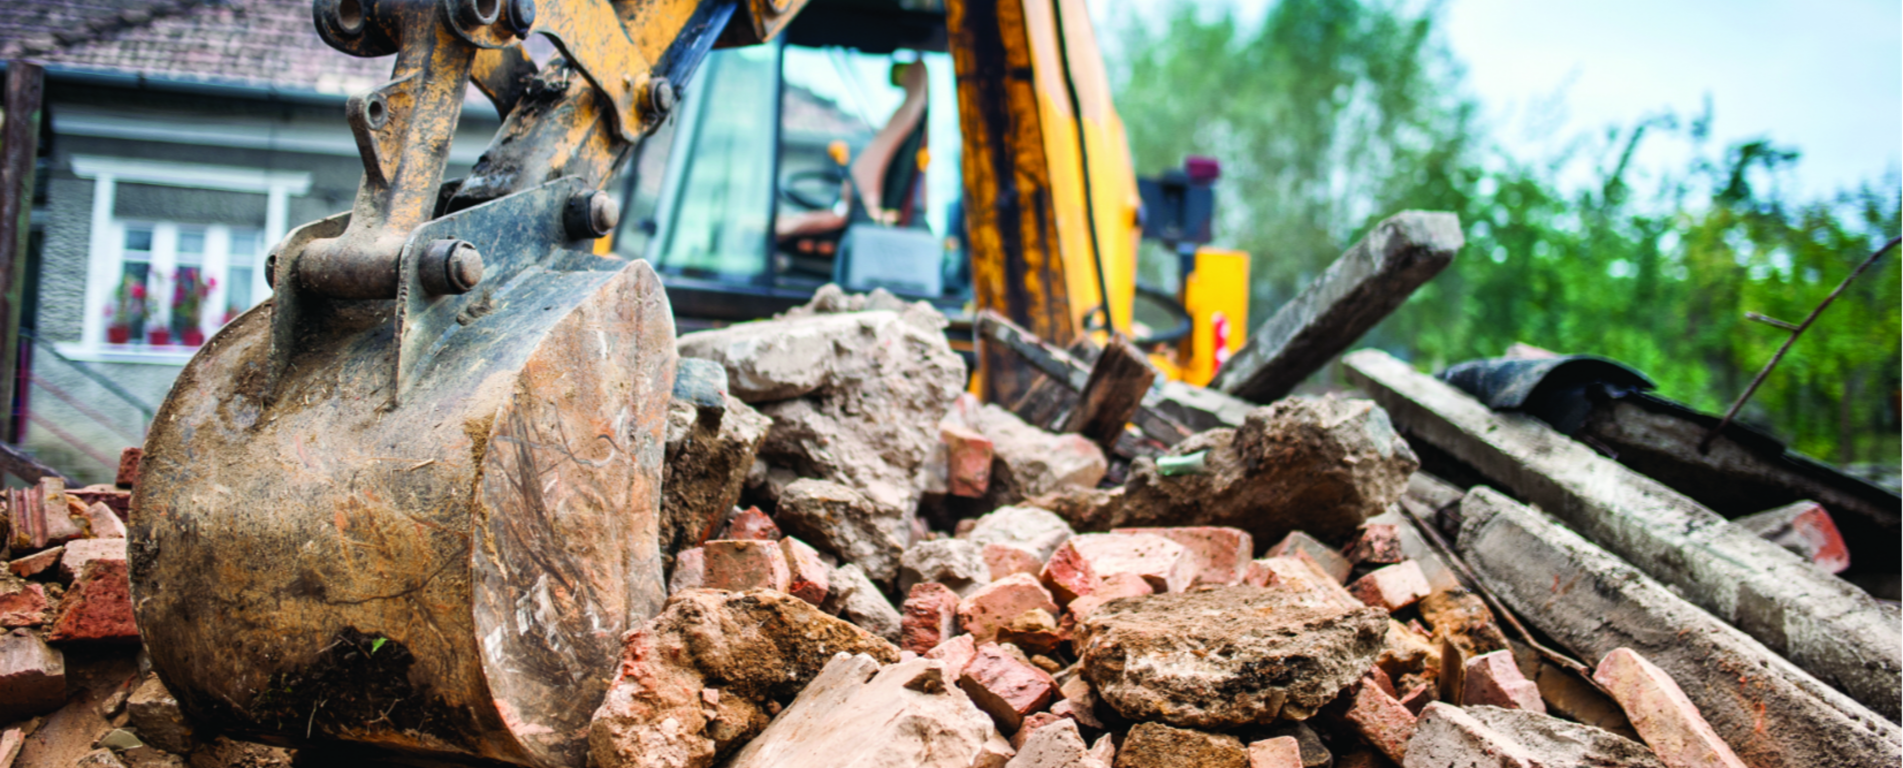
x=591, y=214
x=520, y=17
x=450, y=266
x=661, y=97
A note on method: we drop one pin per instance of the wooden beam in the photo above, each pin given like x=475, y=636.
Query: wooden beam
x=15, y=462
x=1822, y=623
x=1112, y=393
x=1351, y=297
x=19, y=150
x=1003, y=337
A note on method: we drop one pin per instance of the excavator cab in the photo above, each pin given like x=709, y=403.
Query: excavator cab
x=828, y=155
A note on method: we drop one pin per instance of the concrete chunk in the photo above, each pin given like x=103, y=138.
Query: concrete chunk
x=1031, y=462
x=1825, y=625
x=856, y=714
x=1155, y=745
x=1769, y=711
x=842, y=521
x=1035, y=530
x=955, y=563
x=855, y=598
x=1285, y=654
x=708, y=454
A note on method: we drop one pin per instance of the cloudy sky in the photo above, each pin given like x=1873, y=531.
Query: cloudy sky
x=1824, y=77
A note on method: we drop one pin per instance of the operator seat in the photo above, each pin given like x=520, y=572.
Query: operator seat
x=885, y=171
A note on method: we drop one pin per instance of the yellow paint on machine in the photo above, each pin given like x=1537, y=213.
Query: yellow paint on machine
x=1217, y=299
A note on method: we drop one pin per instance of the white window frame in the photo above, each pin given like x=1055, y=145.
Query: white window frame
x=104, y=258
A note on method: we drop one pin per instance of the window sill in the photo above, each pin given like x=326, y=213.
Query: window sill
x=127, y=353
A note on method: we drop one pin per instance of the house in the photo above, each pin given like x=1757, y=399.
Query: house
x=186, y=137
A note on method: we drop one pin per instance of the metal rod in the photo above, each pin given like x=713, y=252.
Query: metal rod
x=1704, y=446
x=1770, y=321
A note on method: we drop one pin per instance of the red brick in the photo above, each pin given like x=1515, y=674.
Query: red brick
x=117, y=499
x=1279, y=752
x=1391, y=588
x=1005, y=559
x=83, y=551
x=753, y=525
x=1005, y=688
x=1082, y=561
x=1376, y=544
x=1034, y=631
x=808, y=577
x=1032, y=722
x=1495, y=680
x=997, y=603
x=956, y=653
x=930, y=616
x=1217, y=555
x=32, y=676
x=22, y=604
x=1417, y=698
x=746, y=564
x=105, y=523
x=968, y=457
x=690, y=570
x=36, y=563
x=98, y=606
x=1299, y=544
x=1668, y=721
x=1380, y=720
x=128, y=475
x=1804, y=528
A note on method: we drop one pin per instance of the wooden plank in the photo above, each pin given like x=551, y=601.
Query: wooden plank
x=1112, y=394
x=1001, y=335
x=1355, y=293
x=15, y=462
x=1822, y=623
x=19, y=149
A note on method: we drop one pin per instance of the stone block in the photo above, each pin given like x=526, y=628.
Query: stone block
x=1391, y=588
x=1300, y=544
x=738, y=565
x=1149, y=658
x=993, y=605
x=1155, y=745
x=1668, y=721
x=1005, y=687
x=154, y=713
x=32, y=676
x=837, y=519
x=1494, y=680
x=1217, y=555
x=929, y=616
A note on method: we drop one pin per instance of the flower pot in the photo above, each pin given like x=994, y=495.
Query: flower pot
x=158, y=337
x=118, y=334
x=191, y=337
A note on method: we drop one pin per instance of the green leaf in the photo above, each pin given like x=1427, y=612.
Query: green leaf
x=378, y=643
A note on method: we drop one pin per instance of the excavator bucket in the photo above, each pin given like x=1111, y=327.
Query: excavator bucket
x=416, y=526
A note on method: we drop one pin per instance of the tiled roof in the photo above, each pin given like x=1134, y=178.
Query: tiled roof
x=256, y=42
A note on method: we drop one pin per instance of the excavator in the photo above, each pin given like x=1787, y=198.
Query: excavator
x=406, y=509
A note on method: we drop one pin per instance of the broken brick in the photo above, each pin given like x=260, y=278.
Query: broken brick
x=1002, y=560
x=1376, y=544
x=104, y=522
x=968, y=456
x=36, y=563
x=1493, y=679
x=22, y=604
x=929, y=616
x=1082, y=561
x=1004, y=687
x=1391, y=588
x=746, y=564
x=1035, y=631
x=98, y=606
x=1217, y=555
x=128, y=474
x=1380, y=719
x=83, y=551
x=1032, y=722
x=1155, y=745
x=808, y=577
x=955, y=653
x=1117, y=586
x=1805, y=529
x=1300, y=544
x=1668, y=721
x=995, y=604
x=690, y=571
x=1279, y=752
x=753, y=525
x=32, y=676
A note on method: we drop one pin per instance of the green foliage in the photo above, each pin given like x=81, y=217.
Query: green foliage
x=1332, y=115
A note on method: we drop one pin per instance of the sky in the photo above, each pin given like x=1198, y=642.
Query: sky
x=1823, y=77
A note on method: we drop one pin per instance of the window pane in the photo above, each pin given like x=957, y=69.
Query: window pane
x=717, y=225
x=191, y=245
x=126, y=316
x=244, y=257
x=138, y=238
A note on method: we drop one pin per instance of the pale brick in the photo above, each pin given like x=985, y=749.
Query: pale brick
x=955, y=653
x=1300, y=544
x=1391, y=588
x=1217, y=555
x=997, y=603
x=1495, y=680
x=1380, y=719
x=1279, y=752
x=1002, y=560
x=808, y=577
x=1660, y=712
x=83, y=551
x=32, y=676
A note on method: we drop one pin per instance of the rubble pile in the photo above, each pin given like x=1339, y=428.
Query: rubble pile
x=871, y=568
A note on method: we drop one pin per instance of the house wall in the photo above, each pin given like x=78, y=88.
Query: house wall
x=75, y=422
